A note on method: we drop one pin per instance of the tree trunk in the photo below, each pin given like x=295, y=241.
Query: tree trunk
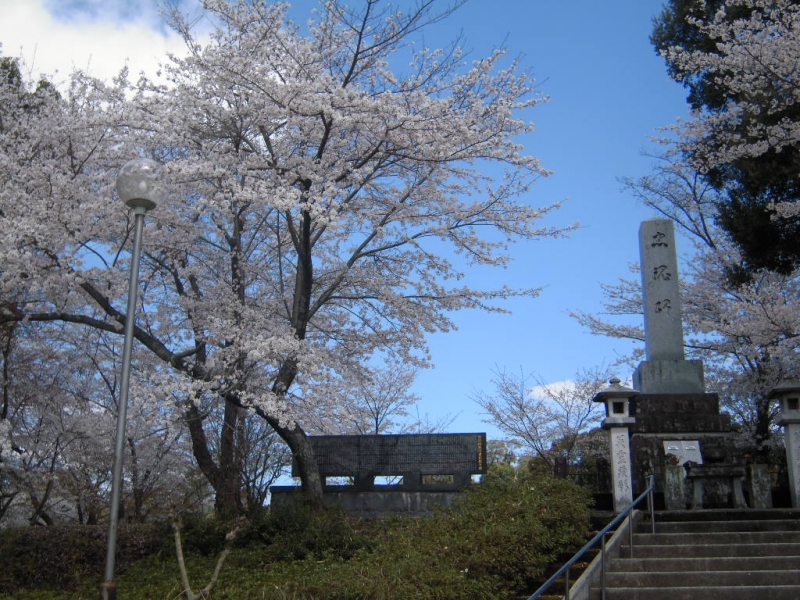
x=294, y=436
x=307, y=463
x=224, y=478
x=763, y=431
x=303, y=453
x=138, y=483
x=38, y=506
x=229, y=487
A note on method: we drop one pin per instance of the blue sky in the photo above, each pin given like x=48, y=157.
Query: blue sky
x=609, y=93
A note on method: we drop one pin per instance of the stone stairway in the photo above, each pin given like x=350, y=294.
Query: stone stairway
x=709, y=554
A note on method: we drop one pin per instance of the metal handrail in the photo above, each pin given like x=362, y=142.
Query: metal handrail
x=628, y=512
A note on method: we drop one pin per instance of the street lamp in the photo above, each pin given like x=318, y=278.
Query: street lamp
x=140, y=186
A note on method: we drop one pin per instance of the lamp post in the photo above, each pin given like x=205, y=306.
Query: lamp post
x=788, y=395
x=140, y=186
x=616, y=398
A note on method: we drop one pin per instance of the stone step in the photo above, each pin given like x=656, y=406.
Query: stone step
x=705, y=563
x=775, y=592
x=698, y=579
x=665, y=552
x=727, y=515
x=721, y=538
x=732, y=555
x=723, y=526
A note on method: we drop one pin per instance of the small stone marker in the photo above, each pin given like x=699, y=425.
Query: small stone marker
x=683, y=450
x=618, y=421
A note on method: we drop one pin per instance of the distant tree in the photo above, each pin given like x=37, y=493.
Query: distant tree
x=264, y=459
x=376, y=400
x=60, y=413
x=544, y=419
x=738, y=58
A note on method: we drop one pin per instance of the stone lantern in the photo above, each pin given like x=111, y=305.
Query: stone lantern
x=618, y=422
x=787, y=394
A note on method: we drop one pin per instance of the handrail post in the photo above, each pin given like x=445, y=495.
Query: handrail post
x=630, y=532
x=603, y=567
x=566, y=585
x=650, y=503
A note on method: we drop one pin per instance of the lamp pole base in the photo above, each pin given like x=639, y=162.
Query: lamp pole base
x=108, y=590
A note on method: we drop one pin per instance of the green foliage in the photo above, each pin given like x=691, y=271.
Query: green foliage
x=40, y=558
x=753, y=185
x=204, y=535
x=510, y=528
x=494, y=543
x=303, y=533
x=675, y=27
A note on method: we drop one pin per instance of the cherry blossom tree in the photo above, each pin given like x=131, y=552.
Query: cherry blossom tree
x=754, y=59
x=377, y=400
x=739, y=60
x=60, y=412
x=380, y=401
x=329, y=191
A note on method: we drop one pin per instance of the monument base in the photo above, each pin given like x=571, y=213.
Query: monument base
x=382, y=501
x=717, y=486
x=669, y=377
x=674, y=417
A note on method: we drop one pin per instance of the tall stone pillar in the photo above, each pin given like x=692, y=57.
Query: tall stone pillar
x=665, y=371
x=618, y=422
x=788, y=396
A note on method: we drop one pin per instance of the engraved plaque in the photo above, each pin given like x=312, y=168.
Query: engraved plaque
x=685, y=450
x=376, y=455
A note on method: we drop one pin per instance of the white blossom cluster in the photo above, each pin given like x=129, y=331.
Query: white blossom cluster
x=755, y=60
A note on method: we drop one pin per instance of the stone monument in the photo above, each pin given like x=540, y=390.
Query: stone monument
x=420, y=471
x=675, y=422
x=666, y=370
x=788, y=396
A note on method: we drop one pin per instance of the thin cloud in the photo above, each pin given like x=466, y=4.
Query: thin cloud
x=557, y=387
x=99, y=38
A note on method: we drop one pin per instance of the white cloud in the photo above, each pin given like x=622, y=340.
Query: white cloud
x=557, y=387
x=98, y=43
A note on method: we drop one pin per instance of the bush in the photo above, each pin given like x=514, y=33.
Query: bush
x=301, y=533
x=201, y=534
x=510, y=529
x=63, y=557
x=493, y=543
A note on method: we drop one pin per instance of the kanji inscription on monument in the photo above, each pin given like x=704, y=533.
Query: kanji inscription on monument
x=662, y=302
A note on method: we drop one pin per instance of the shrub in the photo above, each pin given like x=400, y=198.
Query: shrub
x=493, y=543
x=510, y=529
x=202, y=534
x=65, y=556
x=300, y=533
